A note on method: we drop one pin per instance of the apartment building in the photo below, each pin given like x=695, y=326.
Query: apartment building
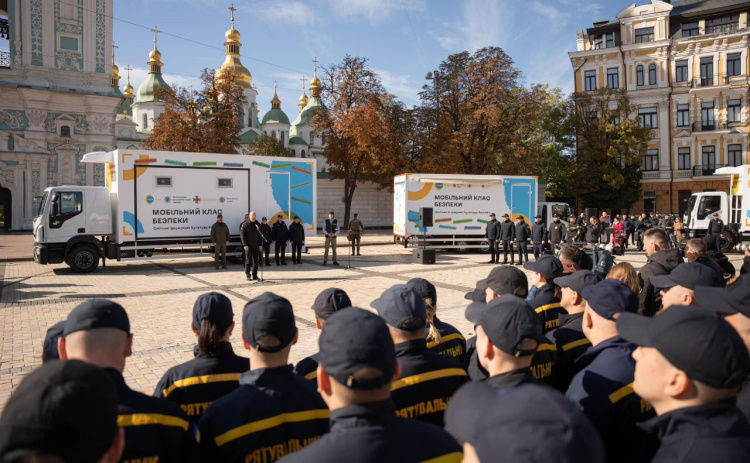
x=684, y=65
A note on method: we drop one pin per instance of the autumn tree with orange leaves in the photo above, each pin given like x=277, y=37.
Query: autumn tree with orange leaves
x=208, y=121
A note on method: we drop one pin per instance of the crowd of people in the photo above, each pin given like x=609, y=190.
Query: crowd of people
x=565, y=366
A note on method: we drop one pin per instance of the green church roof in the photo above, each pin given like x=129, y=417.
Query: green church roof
x=248, y=137
x=297, y=141
x=314, y=105
x=275, y=116
x=149, y=86
x=125, y=107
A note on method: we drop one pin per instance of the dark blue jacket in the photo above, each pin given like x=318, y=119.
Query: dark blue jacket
x=492, y=230
x=427, y=383
x=372, y=433
x=510, y=379
x=296, y=233
x=523, y=231
x=743, y=398
x=452, y=342
x=193, y=385
x=539, y=233
x=280, y=232
x=547, y=306
x=604, y=391
x=542, y=365
x=267, y=233
x=308, y=367
x=507, y=230
x=155, y=429
x=714, y=432
x=571, y=343
x=273, y=413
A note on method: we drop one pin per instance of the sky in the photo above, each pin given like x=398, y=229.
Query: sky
x=403, y=40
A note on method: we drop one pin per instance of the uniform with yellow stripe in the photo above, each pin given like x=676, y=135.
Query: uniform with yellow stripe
x=571, y=343
x=427, y=383
x=196, y=383
x=452, y=342
x=155, y=430
x=547, y=306
x=308, y=367
x=273, y=413
x=543, y=365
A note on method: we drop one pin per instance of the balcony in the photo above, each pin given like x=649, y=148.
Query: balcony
x=706, y=169
x=709, y=126
x=713, y=80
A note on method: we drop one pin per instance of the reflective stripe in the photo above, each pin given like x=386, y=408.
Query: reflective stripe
x=621, y=393
x=429, y=376
x=543, y=347
x=195, y=380
x=574, y=344
x=554, y=305
x=268, y=423
x=144, y=419
x=450, y=337
x=312, y=375
x=454, y=457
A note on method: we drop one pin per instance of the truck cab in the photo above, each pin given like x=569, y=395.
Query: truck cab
x=70, y=224
x=548, y=210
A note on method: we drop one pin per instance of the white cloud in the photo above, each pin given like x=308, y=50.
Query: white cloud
x=487, y=23
x=556, y=17
x=287, y=12
x=400, y=85
x=373, y=10
x=448, y=42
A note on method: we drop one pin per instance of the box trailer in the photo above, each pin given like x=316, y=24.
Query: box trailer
x=161, y=205
x=461, y=205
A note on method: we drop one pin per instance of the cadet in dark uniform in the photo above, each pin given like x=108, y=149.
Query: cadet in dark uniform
x=265, y=229
x=253, y=244
x=557, y=231
x=507, y=236
x=328, y=302
x=603, y=388
x=442, y=338
x=274, y=412
x=215, y=371
x=523, y=233
x=545, y=302
x=280, y=235
x=691, y=380
x=297, y=237
x=98, y=332
x=525, y=424
x=49, y=349
x=539, y=236
x=364, y=424
x=428, y=380
x=492, y=235
x=62, y=412
x=715, y=231
x=568, y=337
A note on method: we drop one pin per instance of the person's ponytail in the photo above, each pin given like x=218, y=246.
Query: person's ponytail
x=433, y=334
x=209, y=339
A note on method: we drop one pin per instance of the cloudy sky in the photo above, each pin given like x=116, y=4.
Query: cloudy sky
x=402, y=39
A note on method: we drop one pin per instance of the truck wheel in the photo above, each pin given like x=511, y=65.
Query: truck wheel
x=727, y=243
x=462, y=249
x=83, y=259
x=238, y=259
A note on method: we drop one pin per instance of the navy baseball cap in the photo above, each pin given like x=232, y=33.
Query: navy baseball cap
x=97, y=313
x=504, y=279
x=49, y=349
x=214, y=307
x=424, y=288
x=556, y=216
x=492, y=214
x=355, y=340
x=527, y=423
x=577, y=281
x=689, y=275
x=329, y=301
x=537, y=216
x=268, y=315
x=506, y=215
x=548, y=266
x=507, y=321
x=280, y=216
x=66, y=409
x=695, y=340
x=610, y=297
x=264, y=218
x=400, y=303
x=735, y=298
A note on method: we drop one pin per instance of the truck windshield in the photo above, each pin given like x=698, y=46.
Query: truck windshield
x=40, y=210
x=708, y=205
x=563, y=210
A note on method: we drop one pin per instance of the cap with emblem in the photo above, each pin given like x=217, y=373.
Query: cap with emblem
x=610, y=297
x=548, y=266
x=97, y=313
x=578, y=281
x=329, y=301
x=279, y=216
x=537, y=216
x=264, y=218
x=715, y=354
x=399, y=305
x=492, y=214
x=219, y=216
x=268, y=315
x=735, y=298
x=49, y=349
x=506, y=216
x=331, y=213
x=507, y=321
x=356, y=349
x=504, y=280
x=62, y=409
x=689, y=275
x=424, y=288
x=214, y=307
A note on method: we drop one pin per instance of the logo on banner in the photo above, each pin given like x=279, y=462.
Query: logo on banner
x=222, y=199
x=149, y=199
x=167, y=199
x=197, y=199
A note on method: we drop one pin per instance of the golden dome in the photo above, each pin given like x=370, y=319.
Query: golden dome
x=232, y=61
x=232, y=35
x=303, y=98
x=115, y=70
x=129, y=91
x=155, y=55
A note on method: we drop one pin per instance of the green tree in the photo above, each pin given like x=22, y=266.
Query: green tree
x=268, y=146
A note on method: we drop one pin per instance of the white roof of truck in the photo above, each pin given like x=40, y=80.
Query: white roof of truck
x=462, y=179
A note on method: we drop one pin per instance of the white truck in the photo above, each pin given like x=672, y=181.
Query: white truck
x=731, y=209
x=461, y=205
x=161, y=205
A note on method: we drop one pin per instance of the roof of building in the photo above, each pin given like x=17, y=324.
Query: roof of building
x=248, y=137
x=275, y=116
x=149, y=86
x=314, y=105
x=694, y=7
x=297, y=141
x=125, y=108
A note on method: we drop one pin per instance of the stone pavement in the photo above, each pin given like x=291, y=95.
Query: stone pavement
x=159, y=297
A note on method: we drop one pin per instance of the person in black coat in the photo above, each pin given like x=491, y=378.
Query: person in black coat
x=280, y=235
x=557, y=231
x=266, y=230
x=538, y=237
x=523, y=233
x=252, y=241
x=492, y=235
x=507, y=236
x=297, y=237
x=716, y=231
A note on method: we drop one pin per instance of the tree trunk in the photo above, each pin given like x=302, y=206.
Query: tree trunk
x=348, y=195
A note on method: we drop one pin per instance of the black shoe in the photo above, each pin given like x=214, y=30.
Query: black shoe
x=505, y=262
x=352, y=253
x=520, y=263
x=491, y=262
x=248, y=277
x=358, y=254
x=335, y=263
x=255, y=277
x=299, y=262
x=284, y=263
x=277, y=264
x=325, y=262
x=224, y=267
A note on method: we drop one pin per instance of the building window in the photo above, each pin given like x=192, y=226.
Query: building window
x=707, y=71
x=689, y=29
x=725, y=25
x=644, y=34
x=709, y=157
x=707, y=115
x=294, y=153
x=303, y=153
x=681, y=71
x=652, y=74
x=683, y=115
x=639, y=76
x=648, y=117
x=273, y=134
x=735, y=155
x=734, y=66
x=65, y=131
x=734, y=111
x=145, y=121
x=613, y=78
x=650, y=160
x=615, y=120
x=609, y=40
x=590, y=80
x=683, y=158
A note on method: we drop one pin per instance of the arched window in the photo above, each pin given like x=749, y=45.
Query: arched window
x=303, y=153
x=639, y=76
x=281, y=134
x=250, y=119
x=65, y=131
x=294, y=153
x=652, y=74
x=241, y=115
x=273, y=133
x=145, y=121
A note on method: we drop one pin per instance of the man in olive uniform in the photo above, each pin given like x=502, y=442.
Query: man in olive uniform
x=220, y=238
x=492, y=235
x=356, y=227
